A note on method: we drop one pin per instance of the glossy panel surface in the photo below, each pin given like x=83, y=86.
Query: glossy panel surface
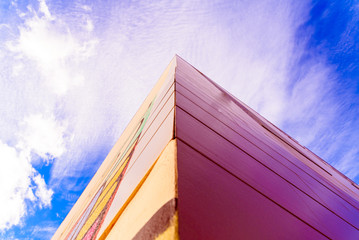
x=214, y=204
x=243, y=144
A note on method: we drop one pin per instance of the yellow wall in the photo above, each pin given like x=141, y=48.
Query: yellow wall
x=158, y=187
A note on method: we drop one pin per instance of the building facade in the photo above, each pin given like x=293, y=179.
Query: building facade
x=197, y=163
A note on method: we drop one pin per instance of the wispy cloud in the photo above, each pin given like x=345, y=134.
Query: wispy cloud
x=43, y=232
x=349, y=163
x=43, y=136
x=49, y=43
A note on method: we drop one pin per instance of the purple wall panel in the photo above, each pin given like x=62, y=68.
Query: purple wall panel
x=270, y=184
x=214, y=204
x=332, y=198
x=229, y=158
x=249, y=130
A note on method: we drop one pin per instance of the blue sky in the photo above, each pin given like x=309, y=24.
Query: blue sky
x=73, y=73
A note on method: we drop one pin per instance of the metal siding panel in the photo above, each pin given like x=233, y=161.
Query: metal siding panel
x=258, y=176
x=255, y=133
x=213, y=204
x=318, y=189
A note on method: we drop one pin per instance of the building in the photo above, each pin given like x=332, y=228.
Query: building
x=197, y=163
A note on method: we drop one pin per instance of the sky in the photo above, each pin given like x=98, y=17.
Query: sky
x=73, y=73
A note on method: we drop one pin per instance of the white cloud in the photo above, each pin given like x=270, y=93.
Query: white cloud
x=48, y=42
x=89, y=25
x=18, y=181
x=45, y=10
x=44, y=136
x=42, y=192
x=14, y=186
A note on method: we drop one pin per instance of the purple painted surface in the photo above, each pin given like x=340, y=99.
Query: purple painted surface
x=214, y=204
x=260, y=178
x=331, y=198
x=230, y=110
x=236, y=172
x=250, y=132
x=261, y=140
